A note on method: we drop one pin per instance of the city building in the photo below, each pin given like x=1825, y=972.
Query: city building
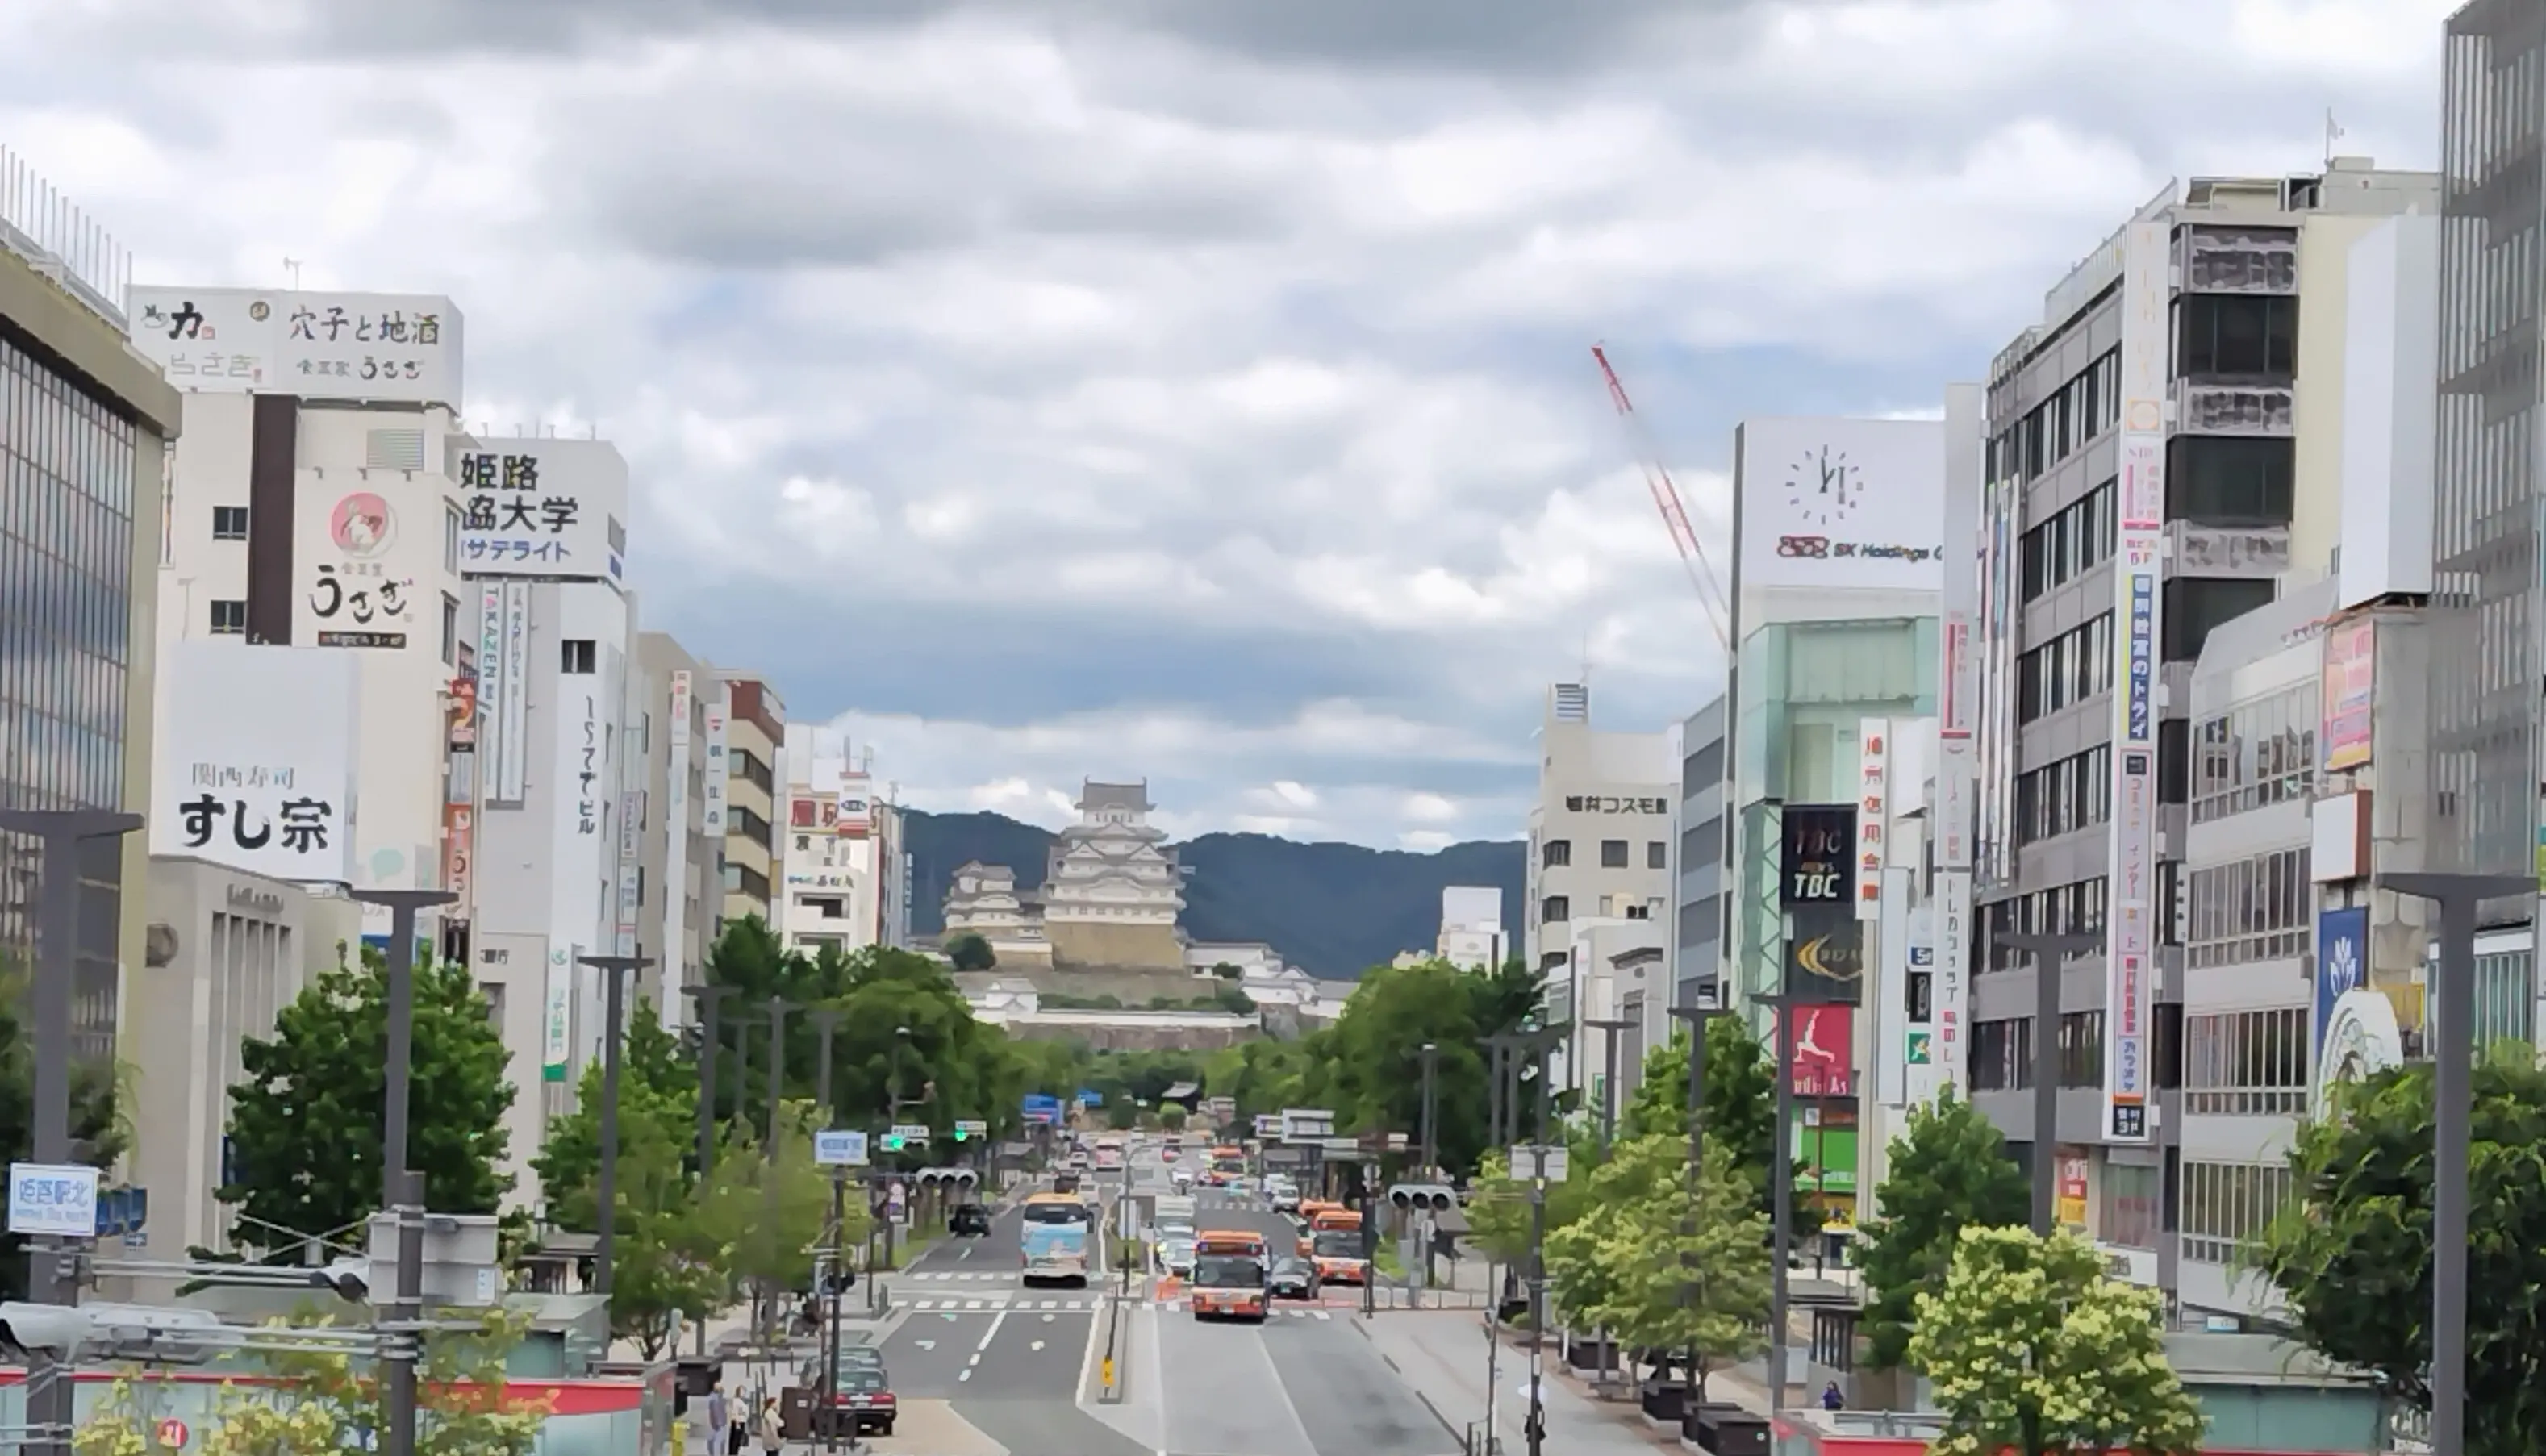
x=1702, y=865
x=85, y=426
x=746, y=731
x=1599, y=856
x=2159, y=449
x=679, y=892
x=842, y=866
x=1472, y=927
x=311, y=504
x=226, y=950
x=1112, y=893
x=1836, y=572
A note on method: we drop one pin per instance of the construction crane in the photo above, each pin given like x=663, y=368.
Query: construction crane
x=1692, y=552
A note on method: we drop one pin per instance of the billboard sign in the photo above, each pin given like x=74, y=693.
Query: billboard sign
x=378, y=348
x=255, y=759
x=1813, y=862
x=2130, y=991
x=551, y=509
x=1841, y=503
x=358, y=587
x=1826, y=954
x=2341, y=965
x=1873, y=812
x=2349, y=693
x=711, y=780
x=1821, y=1050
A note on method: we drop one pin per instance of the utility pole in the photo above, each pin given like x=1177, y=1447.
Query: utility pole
x=401, y=1190
x=826, y=1020
x=1536, y=1430
x=2453, y=1050
x=1431, y=1150
x=2050, y=952
x=62, y=833
x=711, y=1000
x=614, y=1000
x=1781, y=1178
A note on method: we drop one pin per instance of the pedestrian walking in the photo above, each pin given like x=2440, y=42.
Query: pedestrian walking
x=719, y=1419
x=773, y=1431
x=1832, y=1399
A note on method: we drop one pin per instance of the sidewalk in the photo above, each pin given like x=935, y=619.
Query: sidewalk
x=1441, y=1355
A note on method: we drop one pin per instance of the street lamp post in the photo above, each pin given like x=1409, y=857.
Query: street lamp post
x=2457, y=897
x=402, y=1190
x=1781, y=1207
x=1432, y=1108
x=62, y=832
x=613, y=1015
x=1608, y=1027
x=2049, y=951
x=826, y=1020
x=711, y=1000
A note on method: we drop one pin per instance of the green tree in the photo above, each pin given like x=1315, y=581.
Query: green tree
x=2352, y=1252
x=1688, y=1256
x=100, y=1130
x=1949, y=1168
x=1374, y=1054
x=1740, y=1096
x=2033, y=1351
x=1172, y=1118
x=759, y=1215
x=658, y=1082
x=670, y=1258
x=304, y=1125
x=970, y=952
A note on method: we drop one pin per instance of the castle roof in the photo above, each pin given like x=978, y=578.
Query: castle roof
x=1134, y=796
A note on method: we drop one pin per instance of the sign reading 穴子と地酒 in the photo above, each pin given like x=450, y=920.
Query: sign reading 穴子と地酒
x=399, y=348
x=57, y=1199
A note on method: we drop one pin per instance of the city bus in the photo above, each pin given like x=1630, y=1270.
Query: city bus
x=1227, y=1163
x=1230, y=1271
x=1109, y=1154
x=1058, y=1228
x=1334, y=1244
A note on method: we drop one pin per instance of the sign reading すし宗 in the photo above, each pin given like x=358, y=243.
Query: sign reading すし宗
x=255, y=759
x=554, y=509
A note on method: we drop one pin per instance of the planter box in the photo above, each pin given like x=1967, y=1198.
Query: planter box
x=1725, y=1431
x=1591, y=1354
x=1665, y=1401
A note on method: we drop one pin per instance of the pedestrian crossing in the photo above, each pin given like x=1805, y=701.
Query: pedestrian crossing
x=1178, y=1307
x=952, y=1274
x=990, y=1304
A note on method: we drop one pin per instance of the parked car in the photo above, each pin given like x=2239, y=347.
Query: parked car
x=863, y=1402
x=968, y=1221
x=1293, y=1277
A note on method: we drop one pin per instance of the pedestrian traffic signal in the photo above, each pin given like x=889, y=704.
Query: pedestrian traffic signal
x=960, y=1134
x=892, y=1142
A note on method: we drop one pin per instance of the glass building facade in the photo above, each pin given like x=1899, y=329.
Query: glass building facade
x=66, y=557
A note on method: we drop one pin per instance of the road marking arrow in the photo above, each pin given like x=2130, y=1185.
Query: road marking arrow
x=1038, y=1345
x=925, y=1344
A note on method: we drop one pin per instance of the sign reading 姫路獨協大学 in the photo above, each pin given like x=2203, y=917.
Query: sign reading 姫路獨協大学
x=539, y=507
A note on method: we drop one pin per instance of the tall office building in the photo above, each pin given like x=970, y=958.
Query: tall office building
x=679, y=892
x=85, y=425
x=2160, y=449
x=746, y=733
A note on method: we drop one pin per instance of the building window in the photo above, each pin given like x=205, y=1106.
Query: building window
x=1702, y=843
x=1555, y=854
x=748, y=825
x=2068, y=545
x=2258, y=753
x=2082, y=1048
x=2250, y=910
x=1556, y=908
x=2230, y=479
x=2196, y=604
x=745, y=880
x=2236, y=335
x=1702, y=770
x=2068, y=909
x=229, y=618
x=230, y=523
x=1656, y=854
x=2225, y=1206
x=2062, y=798
x=450, y=528
x=2246, y=1064
x=450, y=629
x=577, y=654
x=2131, y=1195
x=1613, y=854
x=747, y=766
x=2002, y=1056
x=2069, y=669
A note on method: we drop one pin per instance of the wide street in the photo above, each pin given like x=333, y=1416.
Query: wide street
x=986, y=1366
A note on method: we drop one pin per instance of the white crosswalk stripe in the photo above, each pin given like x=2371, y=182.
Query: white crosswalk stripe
x=946, y=1305
x=1179, y=1307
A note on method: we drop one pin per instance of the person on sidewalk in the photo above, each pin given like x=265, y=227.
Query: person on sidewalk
x=1832, y=1399
x=773, y=1431
x=720, y=1411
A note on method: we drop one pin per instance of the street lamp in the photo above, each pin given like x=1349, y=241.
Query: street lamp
x=711, y=1000
x=402, y=1189
x=2453, y=1049
x=2050, y=950
x=1608, y=1027
x=614, y=970
x=826, y=1020
x=62, y=832
x=1531, y=1046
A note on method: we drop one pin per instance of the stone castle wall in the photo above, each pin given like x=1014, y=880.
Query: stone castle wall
x=1136, y=947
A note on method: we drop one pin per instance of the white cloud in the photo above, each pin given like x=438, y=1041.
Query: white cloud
x=1173, y=391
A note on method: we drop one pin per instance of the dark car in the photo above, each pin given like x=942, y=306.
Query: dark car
x=968, y=1221
x=1294, y=1278
x=864, y=1401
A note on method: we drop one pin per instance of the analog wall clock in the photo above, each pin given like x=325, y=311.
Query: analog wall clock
x=1824, y=486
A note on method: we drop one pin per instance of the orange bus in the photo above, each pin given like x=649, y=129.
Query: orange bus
x=1311, y=1209
x=1230, y=1276
x=1334, y=1244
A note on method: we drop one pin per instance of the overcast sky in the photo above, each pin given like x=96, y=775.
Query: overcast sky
x=1197, y=389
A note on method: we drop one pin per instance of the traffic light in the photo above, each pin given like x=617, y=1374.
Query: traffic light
x=1434, y=1197
x=111, y=1331
x=961, y=1134
x=949, y=1179
x=892, y=1142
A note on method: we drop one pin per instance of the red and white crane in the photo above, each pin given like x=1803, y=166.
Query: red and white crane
x=1666, y=498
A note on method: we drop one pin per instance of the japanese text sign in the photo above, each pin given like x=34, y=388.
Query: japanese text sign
x=383, y=347
x=59, y=1199
x=256, y=760
x=542, y=507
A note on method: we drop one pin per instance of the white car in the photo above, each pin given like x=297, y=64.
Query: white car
x=1176, y=1255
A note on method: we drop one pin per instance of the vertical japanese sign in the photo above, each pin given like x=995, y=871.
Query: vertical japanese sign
x=557, y=1022
x=542, y=508
x=255, y=759
x=1943, y=929
x=713, y=781
x=632, y=826
x=2130, y=899
x=676, y=845
x=491, y=685
x=1873, y=812
x=514, y=713
x=459, y=855
x=585, y=759
x=2349, y=694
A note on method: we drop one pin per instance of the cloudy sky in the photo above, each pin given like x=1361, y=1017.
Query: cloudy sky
x=1189, y=388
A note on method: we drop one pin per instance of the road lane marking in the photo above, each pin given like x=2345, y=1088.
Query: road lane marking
x=971, y=1303
x=1038, y=1345
x=925, y=1344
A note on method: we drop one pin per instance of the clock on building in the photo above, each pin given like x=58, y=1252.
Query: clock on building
x=1824, y=486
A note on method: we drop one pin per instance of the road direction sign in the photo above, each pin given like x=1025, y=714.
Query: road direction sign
x=971, y=1128
x=1306, y=1124
x=1268, y=1124
x=840, y=1148
x=1531, y=1161
x=911, y=1133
